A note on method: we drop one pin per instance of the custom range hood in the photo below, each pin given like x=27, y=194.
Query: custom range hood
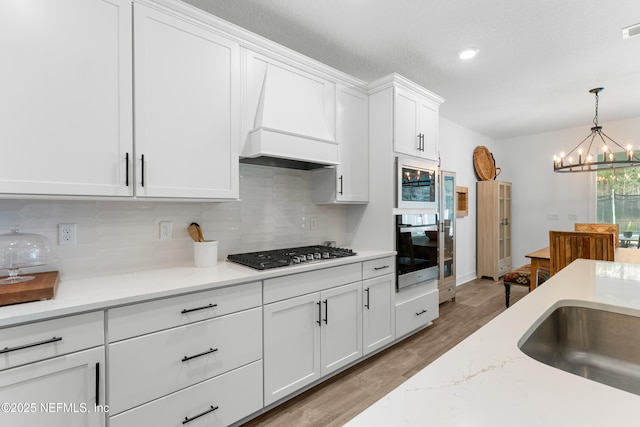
x=290, y=126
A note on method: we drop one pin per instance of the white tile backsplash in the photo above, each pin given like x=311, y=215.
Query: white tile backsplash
x=122, y=236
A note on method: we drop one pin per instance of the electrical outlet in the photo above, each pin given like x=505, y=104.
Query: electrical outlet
x=313, y=223
x=166, y=230
x=66, y=234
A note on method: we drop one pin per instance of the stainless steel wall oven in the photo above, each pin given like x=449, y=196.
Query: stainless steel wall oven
x=417, y=247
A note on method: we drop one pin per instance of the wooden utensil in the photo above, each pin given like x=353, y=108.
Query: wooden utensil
x=195, y=232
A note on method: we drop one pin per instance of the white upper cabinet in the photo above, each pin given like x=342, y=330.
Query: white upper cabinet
x=348, y=182
x=416, y=124
x=186, y=108
x=66, y=97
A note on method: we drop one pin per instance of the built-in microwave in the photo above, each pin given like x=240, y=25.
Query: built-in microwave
x=416, y=184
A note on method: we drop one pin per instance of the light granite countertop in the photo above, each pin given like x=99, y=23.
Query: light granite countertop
x=82, y=295
x=487, y=381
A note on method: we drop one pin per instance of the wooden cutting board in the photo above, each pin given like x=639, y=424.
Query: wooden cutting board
x=42, y=287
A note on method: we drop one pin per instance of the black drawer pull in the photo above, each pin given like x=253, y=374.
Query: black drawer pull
x=22, y=347
x=211, y=350
x=142, y=172
x=187, y=419
x=319, y=321
x=189, y=310
x=126, y=179
x=381, y=268
x=367, y=304
x=422, y=312
x=326, y=311
x=97, y=383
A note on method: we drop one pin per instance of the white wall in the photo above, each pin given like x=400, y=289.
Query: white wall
x=123, y=236
x=540, y=194
x=456, y=145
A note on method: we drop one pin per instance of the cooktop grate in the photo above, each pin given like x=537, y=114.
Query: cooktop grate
x=264, y=260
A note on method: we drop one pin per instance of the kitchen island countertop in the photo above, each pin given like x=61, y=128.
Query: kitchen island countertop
x=487, y=381
x=101, y=292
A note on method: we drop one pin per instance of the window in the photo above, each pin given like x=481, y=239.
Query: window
x=618, y=198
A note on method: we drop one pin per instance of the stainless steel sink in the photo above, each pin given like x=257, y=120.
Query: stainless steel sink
x=599, y=345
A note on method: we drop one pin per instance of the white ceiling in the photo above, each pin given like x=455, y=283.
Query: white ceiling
x=537, y=61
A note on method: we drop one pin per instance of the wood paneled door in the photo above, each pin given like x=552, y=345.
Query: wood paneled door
x=567, y=246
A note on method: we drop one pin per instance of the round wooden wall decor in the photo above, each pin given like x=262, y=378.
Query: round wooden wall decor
x=484, y=164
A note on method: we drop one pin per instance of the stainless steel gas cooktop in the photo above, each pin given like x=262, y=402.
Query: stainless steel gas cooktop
x=285, y=257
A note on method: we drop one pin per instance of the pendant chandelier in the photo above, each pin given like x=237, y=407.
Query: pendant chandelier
x=597, y=143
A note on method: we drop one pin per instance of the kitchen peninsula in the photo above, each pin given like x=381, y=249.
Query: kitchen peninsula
x=486, y=380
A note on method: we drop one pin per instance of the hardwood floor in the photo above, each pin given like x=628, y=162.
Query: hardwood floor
x=342, y=397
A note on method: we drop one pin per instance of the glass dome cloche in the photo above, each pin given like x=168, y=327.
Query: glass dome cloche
x=22, y=250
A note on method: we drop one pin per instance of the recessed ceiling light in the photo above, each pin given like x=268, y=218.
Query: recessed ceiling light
x=631, y=31
x=468, y=53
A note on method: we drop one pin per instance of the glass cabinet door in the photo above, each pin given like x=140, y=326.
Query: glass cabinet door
x=447, y=224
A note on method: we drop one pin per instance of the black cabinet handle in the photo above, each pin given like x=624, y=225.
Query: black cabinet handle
x=211, y=350
x=319, y=321
x=142, y=173
x=189, y=310
x=187, y=419
x=381, y=268
x=422, y=312
x=22, y=347
x=367, y=304
x=341, y=181
x=126, y=176
x=326, y=311
x=97, y=383
x=419, y=141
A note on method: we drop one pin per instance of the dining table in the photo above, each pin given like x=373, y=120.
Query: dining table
x=542, y=258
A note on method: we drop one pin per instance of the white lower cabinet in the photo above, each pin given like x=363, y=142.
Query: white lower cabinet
x=309, y=336
x=188, y=359
x=66, y=391
x=416, y=307
x=151, y=366
x=220, y=401
x=53, y=373
x=378, y=314
x=341, y=331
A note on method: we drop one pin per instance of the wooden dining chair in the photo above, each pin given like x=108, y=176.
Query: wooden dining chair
x=600, y=228
x=567, y=246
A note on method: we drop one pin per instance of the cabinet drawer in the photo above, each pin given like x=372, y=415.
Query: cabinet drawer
x=144, y=318
x=294, y=285
x=447, y=292
x=504, y=266
x=148, y=367
x=234, y=395
x=42, y=340
x=378, y=267
x=416, y=312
